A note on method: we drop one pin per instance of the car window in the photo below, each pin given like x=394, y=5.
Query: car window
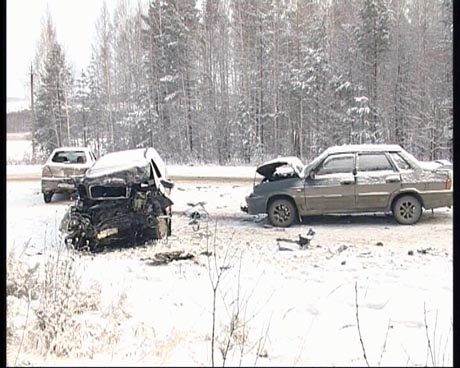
x=69, y=157
x=335, y=164
x=373, y=162
x=400, y=161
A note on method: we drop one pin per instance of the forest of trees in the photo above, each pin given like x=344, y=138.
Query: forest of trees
x=240, y=81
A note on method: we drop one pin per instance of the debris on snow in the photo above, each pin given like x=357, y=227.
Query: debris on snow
x=196, y=212
x=281, y=248
x=303, y=242
x=260, y=218
x=342, y=248
x=167, y=257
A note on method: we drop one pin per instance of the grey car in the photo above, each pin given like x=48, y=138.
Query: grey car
x=63, y=166
x=350, y=179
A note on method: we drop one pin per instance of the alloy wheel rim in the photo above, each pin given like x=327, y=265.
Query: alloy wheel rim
x=407, y=210
x=282, y=213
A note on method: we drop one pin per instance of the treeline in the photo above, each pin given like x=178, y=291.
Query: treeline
x=19, y=121
x=245, y=80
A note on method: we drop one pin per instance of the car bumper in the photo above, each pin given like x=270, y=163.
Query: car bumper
x=437, y=198
x=58, y=185
x=255, y=204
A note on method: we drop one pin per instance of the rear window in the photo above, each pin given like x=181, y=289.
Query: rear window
x=373, y=162
x=69, y=157
x=400, y=161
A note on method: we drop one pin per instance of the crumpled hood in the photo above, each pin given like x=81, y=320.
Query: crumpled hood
x=267, y=169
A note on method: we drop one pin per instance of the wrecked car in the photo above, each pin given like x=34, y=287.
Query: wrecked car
x=350, y=179
x=124, y=196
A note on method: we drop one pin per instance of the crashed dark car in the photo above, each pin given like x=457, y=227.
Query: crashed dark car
x=351, y=179
x=123, y=197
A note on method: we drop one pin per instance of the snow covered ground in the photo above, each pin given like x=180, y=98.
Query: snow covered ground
x=18, y=148
x=276, y=304
x=285, y=307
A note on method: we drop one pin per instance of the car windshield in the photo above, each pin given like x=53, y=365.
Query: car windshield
x=313, y=163
x=69, y=157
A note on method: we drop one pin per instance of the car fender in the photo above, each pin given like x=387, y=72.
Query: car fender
x=403, y=191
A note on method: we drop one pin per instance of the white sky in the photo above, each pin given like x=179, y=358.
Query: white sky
x=74, y=21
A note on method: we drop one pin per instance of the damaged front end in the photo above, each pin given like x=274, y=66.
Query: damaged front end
x=123, y=200
x=280, y=168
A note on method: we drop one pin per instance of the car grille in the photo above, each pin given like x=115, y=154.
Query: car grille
x=107, y=192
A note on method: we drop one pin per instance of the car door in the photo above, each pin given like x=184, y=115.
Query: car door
x=331, y=188
x=376, y=180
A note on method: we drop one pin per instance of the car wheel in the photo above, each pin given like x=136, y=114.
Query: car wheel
x=282, y=212
x=407, y=210
x=47, y=197
x=161, y=230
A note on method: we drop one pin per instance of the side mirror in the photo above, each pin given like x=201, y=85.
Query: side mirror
x=355, y=171
x=312, y=175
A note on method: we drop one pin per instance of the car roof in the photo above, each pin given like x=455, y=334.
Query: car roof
x=364, y=148
x=66, y=149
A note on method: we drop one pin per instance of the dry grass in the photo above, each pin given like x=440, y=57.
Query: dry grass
x=50, y=312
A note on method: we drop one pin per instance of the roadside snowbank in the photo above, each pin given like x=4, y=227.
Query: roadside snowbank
x=33, y=172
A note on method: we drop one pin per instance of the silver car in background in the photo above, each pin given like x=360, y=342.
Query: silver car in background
x=63, y=165
x=351, y=179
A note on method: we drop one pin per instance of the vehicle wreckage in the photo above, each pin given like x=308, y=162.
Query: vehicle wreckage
x=123, y=197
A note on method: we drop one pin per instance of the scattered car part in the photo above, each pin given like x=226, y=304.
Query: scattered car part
x=303, y=241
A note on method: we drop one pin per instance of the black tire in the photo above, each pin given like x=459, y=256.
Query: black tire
x=161, y=230
x=47, y=197
x=407, y=210
x=282, y=212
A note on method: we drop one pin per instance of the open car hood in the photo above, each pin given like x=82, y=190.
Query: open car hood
x=268, y=169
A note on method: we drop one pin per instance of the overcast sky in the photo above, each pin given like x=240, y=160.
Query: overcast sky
x=75, y=24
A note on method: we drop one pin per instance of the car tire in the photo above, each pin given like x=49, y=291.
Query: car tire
x=47, y=197
x=407, y=210
x=282, y=212
x=161, y=230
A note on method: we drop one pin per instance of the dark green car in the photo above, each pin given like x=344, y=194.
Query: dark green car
x=351, y=179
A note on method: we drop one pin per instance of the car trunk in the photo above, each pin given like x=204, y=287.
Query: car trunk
x=67, y=170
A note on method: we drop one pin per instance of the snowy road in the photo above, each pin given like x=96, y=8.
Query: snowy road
x=33, y=222
x=29, y=219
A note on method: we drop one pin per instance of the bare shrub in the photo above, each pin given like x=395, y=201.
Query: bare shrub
x=50, y=311
x=62, y=300
x=22, y=279
x=232, y=337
